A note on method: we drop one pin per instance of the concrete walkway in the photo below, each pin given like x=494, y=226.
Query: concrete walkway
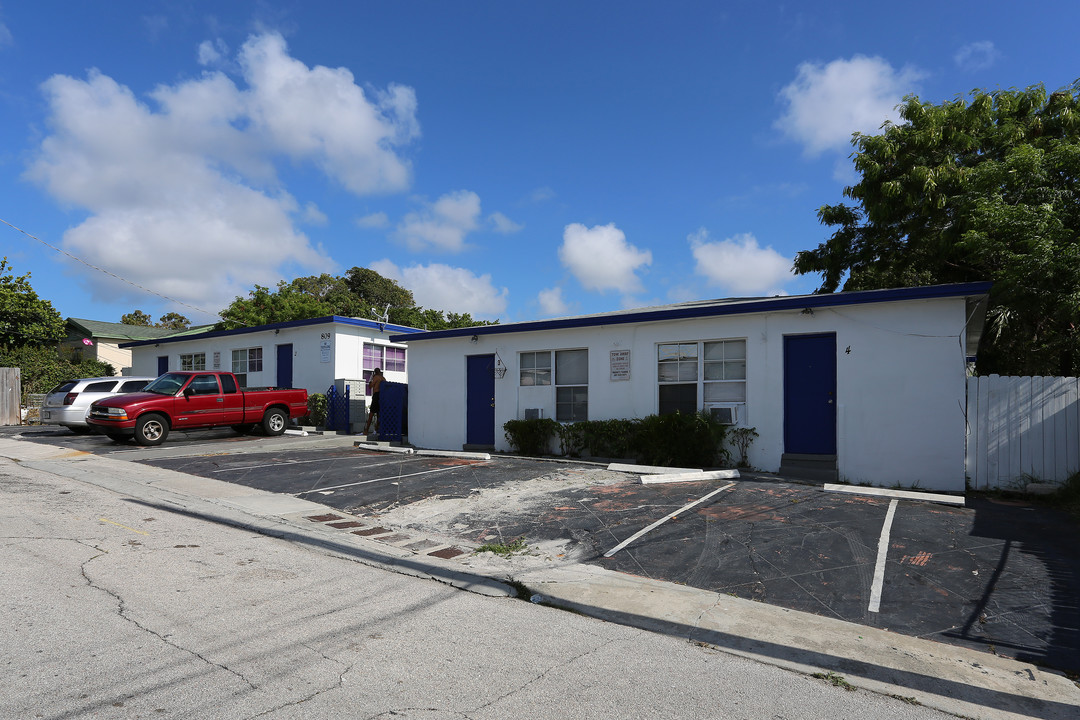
x=947, y=678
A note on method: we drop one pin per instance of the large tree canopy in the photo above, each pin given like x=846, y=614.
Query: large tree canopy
x=25, y=319
x=361, y=293
x=170, y=320
x=986, y=188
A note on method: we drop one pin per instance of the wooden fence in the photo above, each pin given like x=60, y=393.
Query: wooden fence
x=1022, y=429
x=10, y=396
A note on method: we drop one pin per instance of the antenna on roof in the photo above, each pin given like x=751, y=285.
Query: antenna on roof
x=382, y=319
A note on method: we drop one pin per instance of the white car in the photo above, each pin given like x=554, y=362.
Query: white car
x=68, y=403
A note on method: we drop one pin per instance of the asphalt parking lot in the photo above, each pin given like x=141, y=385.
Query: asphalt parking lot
x=1000, y=576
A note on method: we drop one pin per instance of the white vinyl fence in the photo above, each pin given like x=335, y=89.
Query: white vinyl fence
x=1022, y=429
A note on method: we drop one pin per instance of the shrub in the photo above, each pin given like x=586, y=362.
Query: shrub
x=571, y=438
x=741, y=438
x=316, y=406
x=694, y=440
x=531, y=437
x=609, y=438
x=42, y=368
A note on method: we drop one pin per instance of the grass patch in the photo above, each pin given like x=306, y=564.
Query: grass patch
x=835, y=680
x=504, y=549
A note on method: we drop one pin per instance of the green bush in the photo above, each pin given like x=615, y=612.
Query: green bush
x=742, y=438
x=609, y=438
x=531, y=437
x=678, y=440
x=316, y=406
x=572, y=438
x=41, y=368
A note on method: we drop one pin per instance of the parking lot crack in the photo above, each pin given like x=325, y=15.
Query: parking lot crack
x=122, y=612
x=541, y=675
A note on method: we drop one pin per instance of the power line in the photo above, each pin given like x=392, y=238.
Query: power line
x=106, y=272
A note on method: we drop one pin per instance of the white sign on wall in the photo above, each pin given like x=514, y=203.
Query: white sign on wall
x=324, y=347
x=217, y=359
x=620, y=365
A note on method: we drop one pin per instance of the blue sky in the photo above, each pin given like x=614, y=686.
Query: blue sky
x=513, y=160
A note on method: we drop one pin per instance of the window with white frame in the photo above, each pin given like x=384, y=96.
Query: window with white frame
x=384, y=357
x=247, y=360
x=193, y=361
x=708, y=375
x=535, y=368
x=571, y=385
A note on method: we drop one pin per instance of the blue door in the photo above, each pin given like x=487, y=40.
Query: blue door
x=162, y=364
x=284, y=366
x=810, y=394
x=480, y=400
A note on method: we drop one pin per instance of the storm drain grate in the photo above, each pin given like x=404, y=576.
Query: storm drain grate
x=324, y=518
x=447, y=553
x=371, y=531
x=346, y=524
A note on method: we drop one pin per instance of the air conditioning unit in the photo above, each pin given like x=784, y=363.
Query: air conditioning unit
x=725, y=413
x=534, y=413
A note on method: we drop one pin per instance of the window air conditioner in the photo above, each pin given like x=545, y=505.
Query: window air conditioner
x=534, y=413
x=725, y=413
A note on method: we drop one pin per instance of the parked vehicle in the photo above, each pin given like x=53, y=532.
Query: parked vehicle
x=192, y=400
x=68, y=403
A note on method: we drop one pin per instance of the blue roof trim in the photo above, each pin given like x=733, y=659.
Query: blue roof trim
x=329, y=319
x=729, y=307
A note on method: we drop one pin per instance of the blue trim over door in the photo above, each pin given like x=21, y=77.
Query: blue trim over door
x=810, y=394
x=284, y=366
x=480, y=400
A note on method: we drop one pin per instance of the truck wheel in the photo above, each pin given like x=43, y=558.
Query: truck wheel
x=151, y=430
x=274, y=422
x=243, y=429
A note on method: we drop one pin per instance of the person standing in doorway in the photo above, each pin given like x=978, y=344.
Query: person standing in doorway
x=373, y=384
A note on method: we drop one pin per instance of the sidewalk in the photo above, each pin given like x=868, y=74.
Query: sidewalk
x=943, y=677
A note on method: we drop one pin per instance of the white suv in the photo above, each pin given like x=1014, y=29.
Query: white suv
x=68, y=403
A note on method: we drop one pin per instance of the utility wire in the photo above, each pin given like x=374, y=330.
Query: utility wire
x=110, y=274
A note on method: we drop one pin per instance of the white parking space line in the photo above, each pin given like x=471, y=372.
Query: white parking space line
x=383, y=479
x=663, y=520
x=395, y=461
x=882, y=551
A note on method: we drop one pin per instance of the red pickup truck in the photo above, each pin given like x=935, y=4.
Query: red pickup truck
x=190, y=400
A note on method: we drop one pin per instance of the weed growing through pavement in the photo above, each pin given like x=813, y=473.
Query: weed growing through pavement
x=835, y=680
x=504, y=549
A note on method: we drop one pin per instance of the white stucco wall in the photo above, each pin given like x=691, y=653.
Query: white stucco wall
x=900, y=388
x=313, y=369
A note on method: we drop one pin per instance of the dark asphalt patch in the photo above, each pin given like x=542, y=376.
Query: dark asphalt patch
x=994, y=577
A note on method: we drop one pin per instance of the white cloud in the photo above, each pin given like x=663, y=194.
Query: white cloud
x=322, y=115
x=182, y=190
x=601, y=259
x=451, y=289
x=552, y=303
x=443, y=224
x=542, y=194
x=6, y=38
x=374, y=220
x=503, y=224
x=211, y=52
x=739, y=265
x=976, y=56
x=827, y=103
x=314, y=216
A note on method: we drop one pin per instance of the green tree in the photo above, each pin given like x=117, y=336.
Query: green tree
x=173, y=321
x=26, y=319
x=360, y=293
x=137, y=317
x=170, y=320
x=985, y=188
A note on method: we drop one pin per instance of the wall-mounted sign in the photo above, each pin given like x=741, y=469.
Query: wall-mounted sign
x=217, y=359
x=620, y=365
x=324, y=349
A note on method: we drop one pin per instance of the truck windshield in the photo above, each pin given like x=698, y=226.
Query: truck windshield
x=167, y=384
